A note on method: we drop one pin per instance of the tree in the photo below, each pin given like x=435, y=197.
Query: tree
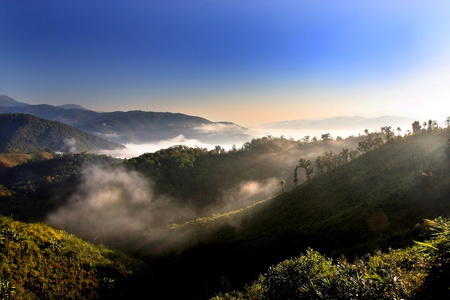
x=296, y=176
x=374, y=141
x=345, y=155
x=330, y=160
x=432, y=124
x=306, y=164
x=353, y=154
x=363, y=146
x=282, y=183
x=416, y=127
x=320, y=164
x=387, y=130
x=326, y=137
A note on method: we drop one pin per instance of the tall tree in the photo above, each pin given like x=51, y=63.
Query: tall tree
x=282, y=183
x=320, y=164
x=432, y=124
x=307, y=165
x=416, y=127
x=326, y=137
x=387, y=130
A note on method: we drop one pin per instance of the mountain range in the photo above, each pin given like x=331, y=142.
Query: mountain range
x=140, y=127
x=133, y=126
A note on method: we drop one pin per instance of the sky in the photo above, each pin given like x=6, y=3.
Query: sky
x=245, y=61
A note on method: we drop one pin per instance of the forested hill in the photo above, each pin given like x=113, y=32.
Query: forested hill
x=22, y=133
x=372, y=202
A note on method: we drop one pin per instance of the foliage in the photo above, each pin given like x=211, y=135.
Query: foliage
x=33, y=184
x=356, y=205
x=39, y=262
x=372, y=202
x=21, y=133
x=417, y=272
x=437, y=253
x=202, y=178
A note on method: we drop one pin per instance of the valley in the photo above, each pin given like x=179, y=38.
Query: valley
x=210, y=221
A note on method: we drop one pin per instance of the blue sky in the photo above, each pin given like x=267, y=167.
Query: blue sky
x=247, y=61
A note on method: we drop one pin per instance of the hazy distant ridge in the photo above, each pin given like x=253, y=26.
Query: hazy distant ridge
x=8, y=101
x=135, y=126
x=140, y=127
x=342, y=123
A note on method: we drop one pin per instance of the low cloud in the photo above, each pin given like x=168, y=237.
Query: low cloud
x=70, y=145
x=134, y=150
x=249, y=192
x=114, y=206
x=221, y=128
x=117, y=206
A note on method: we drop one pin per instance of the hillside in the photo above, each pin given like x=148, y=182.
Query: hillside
x=201, y=181
x=373, y=202
x=21, y=133
x=39, y=262
x=417, y=272
x=34, y=185
x=352, y=205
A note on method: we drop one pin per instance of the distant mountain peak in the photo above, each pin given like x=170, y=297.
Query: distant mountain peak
x=7, y=101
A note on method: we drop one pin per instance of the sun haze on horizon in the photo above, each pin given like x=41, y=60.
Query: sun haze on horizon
x=248, y=62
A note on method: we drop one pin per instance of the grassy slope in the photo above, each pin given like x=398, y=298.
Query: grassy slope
x=370, y=203
x=9, y=160
x=38, y=262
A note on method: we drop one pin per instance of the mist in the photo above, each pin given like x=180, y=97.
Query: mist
x=114, y=205
x=247, y=193
x=119, y=206
x=134, y=150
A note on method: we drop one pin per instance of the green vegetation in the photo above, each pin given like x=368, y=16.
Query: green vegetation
x=9, y=160
x=203, y=178
x=418, y=272
x=38, y=183
x=345, y=204
x=22, y=133
x=372, y=202
x=38, y=262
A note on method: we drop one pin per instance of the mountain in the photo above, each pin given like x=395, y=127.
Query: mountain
x=22, y=133
x=137, y=126
x=10, y=102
